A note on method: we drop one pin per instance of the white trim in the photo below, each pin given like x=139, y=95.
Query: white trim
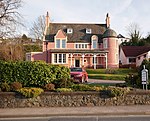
x=69, y=31
x=58, y=58
x=81, y=45
x=88, y=31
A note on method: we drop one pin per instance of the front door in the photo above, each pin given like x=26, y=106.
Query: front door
x=77, y=63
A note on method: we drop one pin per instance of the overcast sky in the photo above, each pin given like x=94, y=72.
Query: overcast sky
x=121, y=12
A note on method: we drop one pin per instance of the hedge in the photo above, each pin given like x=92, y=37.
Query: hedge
x=31, y=73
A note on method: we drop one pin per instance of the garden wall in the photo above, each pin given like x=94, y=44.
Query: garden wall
x=72, y=99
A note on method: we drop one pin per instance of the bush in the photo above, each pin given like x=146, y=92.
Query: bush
x=63, y=83
x=32, y=74
x=30, y=92
x=5, y=87
x=49, y=87
x=81, y=87
x=15, y=86
x=64, y=90
x=95, y=88
x=117, y=91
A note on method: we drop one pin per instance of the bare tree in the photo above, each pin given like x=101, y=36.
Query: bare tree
x=38, y=27
x=10, y=18
x=134, y=32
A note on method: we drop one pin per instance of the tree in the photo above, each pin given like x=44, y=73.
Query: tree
x=134, y=33
x=11, y=51
x=9, y=17
x=38, y=27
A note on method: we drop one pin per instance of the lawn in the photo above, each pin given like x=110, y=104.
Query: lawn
x=110, y=74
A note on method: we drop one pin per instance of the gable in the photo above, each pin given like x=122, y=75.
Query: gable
x=60, y=34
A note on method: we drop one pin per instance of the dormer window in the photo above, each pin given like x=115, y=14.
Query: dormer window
x=88, y=31
x=69, y=30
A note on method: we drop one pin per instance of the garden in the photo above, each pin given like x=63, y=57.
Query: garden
x=30, y=79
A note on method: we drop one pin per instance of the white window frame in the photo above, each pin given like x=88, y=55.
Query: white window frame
x=105, y=43
x=88, y=31
x=81, y=45
x=61, y=58
x=69, y=31
x=93, y=44
x=61, y=47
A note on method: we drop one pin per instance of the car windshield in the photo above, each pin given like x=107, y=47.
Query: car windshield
x=76, y=69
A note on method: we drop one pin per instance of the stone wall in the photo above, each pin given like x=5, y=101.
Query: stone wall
x=72, y=99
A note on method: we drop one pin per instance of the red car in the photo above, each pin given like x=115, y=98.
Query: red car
x=79, y=74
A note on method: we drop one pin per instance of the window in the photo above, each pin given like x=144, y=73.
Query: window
x=105, y=45
x=88, y=31
x=59, y=58
x=69, y=31
x=55, y=58
x=64, y=58
x=95, y=60
x=94, y=44
x=63, y=43
x=58, y=43
x=139, y=58
x=81, y=45
x=132, y=60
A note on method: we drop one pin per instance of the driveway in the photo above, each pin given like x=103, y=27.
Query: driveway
x=105, y=81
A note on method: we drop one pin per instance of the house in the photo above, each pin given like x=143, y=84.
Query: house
x=122, y=39
x=79, y=45
x=134, y=54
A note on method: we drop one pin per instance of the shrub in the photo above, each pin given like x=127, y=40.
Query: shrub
x=64, y=90
x=49, y=87
x=81, y=87
x=117, y=91
x=5, y=87
x=15, y=86
x=63, y=83
x=95, y=88
x=30, y=92
x=32, y=74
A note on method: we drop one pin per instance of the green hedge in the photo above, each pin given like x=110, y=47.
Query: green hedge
x=31, y=73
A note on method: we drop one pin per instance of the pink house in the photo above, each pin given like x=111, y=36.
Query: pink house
x=79, y=45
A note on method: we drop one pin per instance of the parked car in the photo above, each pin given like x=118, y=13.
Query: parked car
x=78, y=73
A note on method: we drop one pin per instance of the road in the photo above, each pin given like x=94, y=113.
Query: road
x=84, y=118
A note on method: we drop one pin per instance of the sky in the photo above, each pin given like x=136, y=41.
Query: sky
x=122, y=13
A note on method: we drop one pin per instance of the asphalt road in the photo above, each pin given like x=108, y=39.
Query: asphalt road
x=84, y=118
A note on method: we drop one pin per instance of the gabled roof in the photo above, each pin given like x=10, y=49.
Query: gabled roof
x=133, y=51
x=60, y=34
x=79, y=31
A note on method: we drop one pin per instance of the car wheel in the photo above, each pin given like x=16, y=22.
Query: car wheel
x=86, y=80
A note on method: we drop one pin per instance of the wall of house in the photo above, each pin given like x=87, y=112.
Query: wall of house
x=113, y=52
x=122, y=57
x=141, y=57
x=34, y=56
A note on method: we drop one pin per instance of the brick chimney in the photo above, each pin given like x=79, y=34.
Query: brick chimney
x=107, y=20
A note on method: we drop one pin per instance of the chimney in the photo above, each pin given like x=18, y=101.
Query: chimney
x=47, y=19
x=107, y=20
